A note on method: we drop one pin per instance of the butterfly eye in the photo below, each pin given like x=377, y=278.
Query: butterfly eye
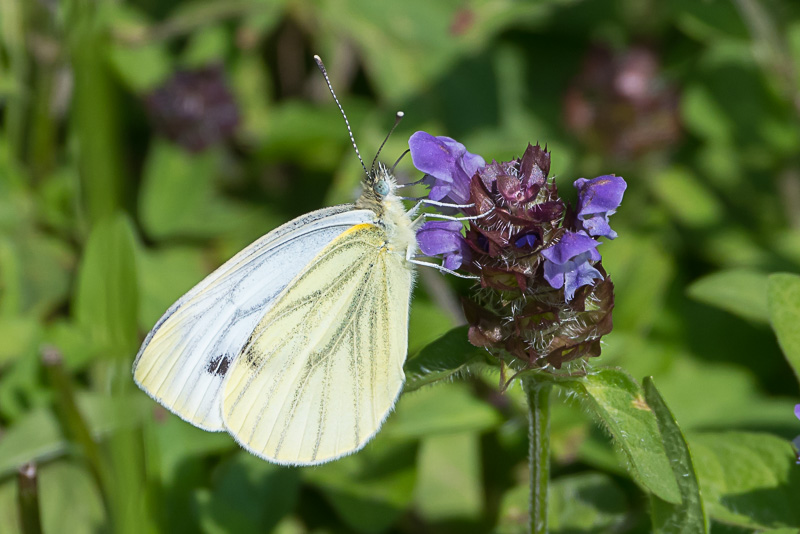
x=381, y=188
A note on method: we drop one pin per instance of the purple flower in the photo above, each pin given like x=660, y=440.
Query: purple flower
x=597, y=200
x=796, y=440
x=567, y=263
x=194, y=108
x=447, y=163
x=444, y=237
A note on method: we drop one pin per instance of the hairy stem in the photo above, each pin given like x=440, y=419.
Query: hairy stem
x=538, y=395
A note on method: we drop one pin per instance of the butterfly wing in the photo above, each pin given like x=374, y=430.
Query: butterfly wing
x=184, y=359
x=324, y=366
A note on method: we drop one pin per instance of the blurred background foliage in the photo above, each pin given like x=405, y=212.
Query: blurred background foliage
x=145, y=142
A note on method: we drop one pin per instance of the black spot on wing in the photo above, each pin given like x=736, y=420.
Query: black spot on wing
x=219, y=366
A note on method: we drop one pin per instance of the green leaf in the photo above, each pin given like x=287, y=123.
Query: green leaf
x=38, y=436
x=142, y=65
x=208, y=45
x=617, y=402
x=106, y=301
x=369, y=490
x=586, y=502
x=687, y=517
x=420, y=39
x=784, y=314
x=252, y=89
x=177, y=195
x=249, y=495
x=643, y=271
x=449, y=480
x=35, y=272
x=450, y=355
x=704, y=116
x=442, y=409
x=741, y=292
x=164, y=275
x=426, y=324
x=177, y=441
x=747, y=479
x=20, y=336
x=687, y=198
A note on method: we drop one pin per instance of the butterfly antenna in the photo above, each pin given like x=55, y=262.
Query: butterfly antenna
x=321, y=66
x=397, y=118
x=400, y=158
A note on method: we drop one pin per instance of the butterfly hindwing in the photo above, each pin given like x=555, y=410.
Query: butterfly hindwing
x=185, y=358
x=324, y=366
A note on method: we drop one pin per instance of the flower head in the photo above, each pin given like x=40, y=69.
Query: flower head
x=545, y=298
x=194, y=108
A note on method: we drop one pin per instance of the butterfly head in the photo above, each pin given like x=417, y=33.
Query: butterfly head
x=379, y=185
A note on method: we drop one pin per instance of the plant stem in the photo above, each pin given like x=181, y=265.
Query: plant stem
x=538, y=395
x=28, y=499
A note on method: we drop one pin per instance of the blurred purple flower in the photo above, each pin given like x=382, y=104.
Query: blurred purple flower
x=447, y=164
x=444, y=237
x=797, y=439
x=194, y=108
x=567, y=263
x=597, y=200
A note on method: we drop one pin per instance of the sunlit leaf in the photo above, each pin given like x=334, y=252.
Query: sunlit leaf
x=440, y=409
x=106, y=300
x=642, y=271
x=447, y=357
x=449, y=484
x=743, y=293
x=687, y=198
x=784, y=314
x=747, y=479
x=618, y=404
x=164, y=275
x=689, y=516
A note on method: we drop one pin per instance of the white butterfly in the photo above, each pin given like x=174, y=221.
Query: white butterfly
x=296, y=345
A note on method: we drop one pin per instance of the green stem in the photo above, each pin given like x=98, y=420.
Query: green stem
x=538, y=395
x=28, y=499
x=72, y=421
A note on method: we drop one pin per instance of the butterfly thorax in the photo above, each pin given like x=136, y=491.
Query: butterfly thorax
x=379, y=196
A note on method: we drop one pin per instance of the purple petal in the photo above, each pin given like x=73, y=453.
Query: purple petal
x=571, y=245
x=526, y=241
x=571, y=275
x=597, y=225
x=448, y=164
x=444, y=238
x=797, y=410
x=597, y=200
x=567, y=263
x=583, y=275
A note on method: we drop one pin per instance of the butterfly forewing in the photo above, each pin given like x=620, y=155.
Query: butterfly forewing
x=324, y=366
x=187, y=355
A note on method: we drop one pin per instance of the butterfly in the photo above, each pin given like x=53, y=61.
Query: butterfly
x=295, y=346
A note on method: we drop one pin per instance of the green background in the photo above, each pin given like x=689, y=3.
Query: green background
x=104, y=222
